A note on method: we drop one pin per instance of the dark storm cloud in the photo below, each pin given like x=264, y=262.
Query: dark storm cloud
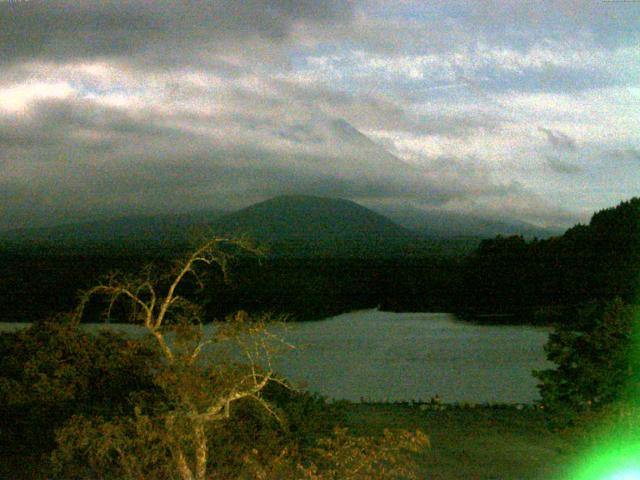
x=61, y=30
x=97, y=158
x=171, y=105
x=370, y=112
x=558, y=139
x=300, y=133
x=79, y=122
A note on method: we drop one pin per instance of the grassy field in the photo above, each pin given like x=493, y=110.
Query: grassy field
x=474, y=443
x=478, y=443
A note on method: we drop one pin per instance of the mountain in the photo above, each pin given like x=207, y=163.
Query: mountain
x=318, y=226
x=446, y=225
x=150, y=232
x=294, y=225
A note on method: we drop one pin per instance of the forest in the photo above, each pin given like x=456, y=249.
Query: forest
x=594, y=262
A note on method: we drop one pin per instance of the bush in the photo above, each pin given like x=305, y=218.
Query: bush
x=53, y=370
x=142, y=444
x=307, y=416
x=345, y=456
x=596, y=362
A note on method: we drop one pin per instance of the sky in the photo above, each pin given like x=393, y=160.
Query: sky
x=505, y=109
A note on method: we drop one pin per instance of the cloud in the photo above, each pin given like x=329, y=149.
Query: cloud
x=62, y=30
x=561, y=166
x=73, y=123
x=602, y=23
x=626, y=154
x=83, y=155
x=558, y=139
x=145, y=106
x=442, y=25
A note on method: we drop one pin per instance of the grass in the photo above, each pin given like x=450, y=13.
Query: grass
x=23, y=467
x=474, y=442
x=471, y=443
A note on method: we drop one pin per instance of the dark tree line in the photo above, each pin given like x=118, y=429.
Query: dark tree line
x=595, y=262
x=309, y=289
x=519, y=280
x=35, y=286
x=538, y=281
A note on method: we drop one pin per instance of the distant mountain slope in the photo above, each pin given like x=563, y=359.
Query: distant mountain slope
x=296, y=225
x=148, y=232
x=443, y=224
x=308, y=225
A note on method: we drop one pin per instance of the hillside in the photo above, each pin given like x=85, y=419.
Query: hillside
x=318, y=226
x=151, y=232
x=298, y=225
x=295, y=225
x=444, y=224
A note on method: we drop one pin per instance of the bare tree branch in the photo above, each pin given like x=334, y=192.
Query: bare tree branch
x=198, y=402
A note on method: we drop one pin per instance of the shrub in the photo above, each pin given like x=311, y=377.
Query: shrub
x=596, y=362
x=53, y=370
x=343, y=456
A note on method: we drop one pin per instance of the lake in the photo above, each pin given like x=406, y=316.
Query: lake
x=384, y=356
x=378, y=356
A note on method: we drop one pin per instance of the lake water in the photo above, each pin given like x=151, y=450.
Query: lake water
x=375, y=355
x=378, y=356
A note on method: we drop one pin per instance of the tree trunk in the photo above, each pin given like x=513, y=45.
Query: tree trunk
x=201, y=451
x=183, y=468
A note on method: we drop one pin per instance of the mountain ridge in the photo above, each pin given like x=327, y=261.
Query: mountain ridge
x=312, y=225
x=301, y=224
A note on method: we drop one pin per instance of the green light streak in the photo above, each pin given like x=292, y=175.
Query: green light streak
x=616, y=460
x=616, y=453
x=633, y=474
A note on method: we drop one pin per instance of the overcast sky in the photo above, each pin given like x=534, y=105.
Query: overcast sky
x=527, y=110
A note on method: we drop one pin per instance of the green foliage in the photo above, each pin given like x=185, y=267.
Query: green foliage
x=207, y=387
x=307, y=416
x=132, y=447
x=390, y=456
x=596, y=362
x=343, y=456
x=54, y=370
x=250, y=443
x=143, y=444
x=304, y=441
x=254, y=441
x=619, y=420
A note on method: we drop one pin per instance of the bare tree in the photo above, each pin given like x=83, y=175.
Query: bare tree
x=201, y=389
